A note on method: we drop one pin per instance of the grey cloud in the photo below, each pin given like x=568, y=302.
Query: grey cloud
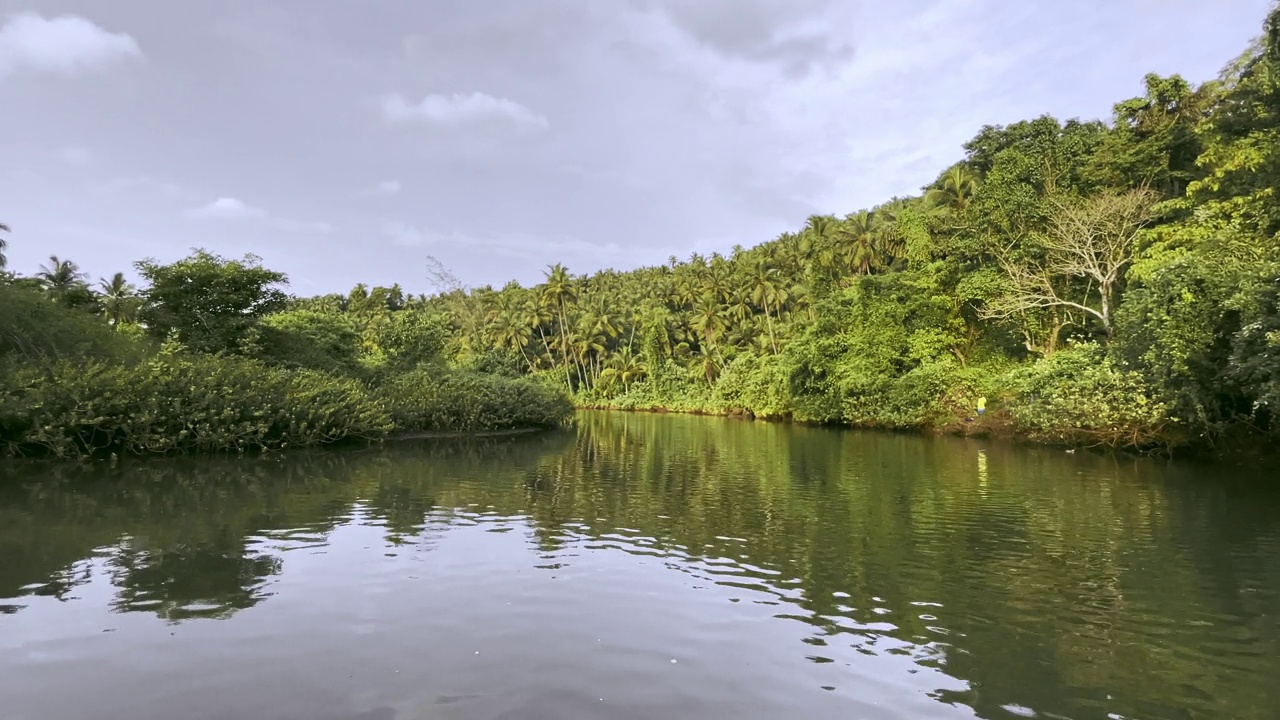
x=64, y=44
x=798, y=35
x=520, y=245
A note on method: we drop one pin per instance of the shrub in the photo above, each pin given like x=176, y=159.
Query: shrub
x=35, y=329
x=934, y=394
x=1080, y=396
x=309, y=339
x=176, y=401
x=759, y=383
x=433, y=400
x=410, y=339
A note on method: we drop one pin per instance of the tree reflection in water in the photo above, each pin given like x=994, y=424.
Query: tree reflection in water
x=1033, y=576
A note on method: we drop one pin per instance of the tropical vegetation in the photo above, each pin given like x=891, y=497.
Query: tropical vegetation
x=1107, y=283
x=1095, y=282
x=210, y=356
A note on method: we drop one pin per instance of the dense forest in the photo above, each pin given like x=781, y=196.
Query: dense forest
x=1100, y=283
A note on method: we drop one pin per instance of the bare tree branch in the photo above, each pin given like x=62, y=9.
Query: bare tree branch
x=1092, y=239
x=441, y=278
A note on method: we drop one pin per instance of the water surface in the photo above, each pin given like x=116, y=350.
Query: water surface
x=640, y=566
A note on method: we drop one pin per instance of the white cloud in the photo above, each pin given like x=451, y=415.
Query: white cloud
x=386, y=187
x=67, y=44
x=460, y=110
x=227, y=208
x=75, y=156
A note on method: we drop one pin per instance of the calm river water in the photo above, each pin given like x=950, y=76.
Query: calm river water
x=641, y=566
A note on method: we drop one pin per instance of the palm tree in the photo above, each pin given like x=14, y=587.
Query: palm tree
x=821, y=227
x=857, y=242
x=559, y=293
x=119, y=299
x=955, y=189
x=3, y=245
x=709, y=320
x=889, y=235
x=739, y=307
x=624, y=367
x=767, y=291
x=535, y=312
x=506, y=326
x=60, y=277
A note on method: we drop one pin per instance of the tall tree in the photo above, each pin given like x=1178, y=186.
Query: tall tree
x=120, y=301
x=209, y=302
x=560, y=293
x=1091, y=239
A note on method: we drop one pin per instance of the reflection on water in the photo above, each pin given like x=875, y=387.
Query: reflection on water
x=640, y=566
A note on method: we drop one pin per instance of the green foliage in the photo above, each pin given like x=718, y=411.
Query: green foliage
x=758, y=383
x=1080, y=396
x=1175, y=328
x=1154, y=141
x=209, y=302
x=1255, y=357
x=36, y=330
x=1157, y=236
x=308, y=339
x=73, y=386
x=177, y=401
x=435, y=400
x=411, y=339
x=494, y=362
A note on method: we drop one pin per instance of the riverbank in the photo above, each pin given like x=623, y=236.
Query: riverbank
x=997, y=424
x=1077, y=397
x=179, y=403
x=1240, y=447
x=74, y=386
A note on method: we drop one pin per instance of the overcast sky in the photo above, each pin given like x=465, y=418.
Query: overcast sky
x=345, y=141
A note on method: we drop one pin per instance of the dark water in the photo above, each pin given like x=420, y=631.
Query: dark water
x=641, y=567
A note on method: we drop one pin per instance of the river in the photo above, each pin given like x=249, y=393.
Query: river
x=641, y=566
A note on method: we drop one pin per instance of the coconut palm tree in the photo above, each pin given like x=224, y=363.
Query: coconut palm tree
x=625, y=367
x=3, y=244
x=767, y=291
x=889, y=234
x=955, y=189
x=120, y=301
x=560, y=293
x=709, y=321
x=60, y=277
x=856, y=246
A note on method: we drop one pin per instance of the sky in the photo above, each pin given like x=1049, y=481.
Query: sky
x=346, y=142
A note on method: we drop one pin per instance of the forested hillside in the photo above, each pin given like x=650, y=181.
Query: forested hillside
x=1100, y=282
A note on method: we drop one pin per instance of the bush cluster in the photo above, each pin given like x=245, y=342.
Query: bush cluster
x=437, y=400
x=176, y=401
x=72, y=386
